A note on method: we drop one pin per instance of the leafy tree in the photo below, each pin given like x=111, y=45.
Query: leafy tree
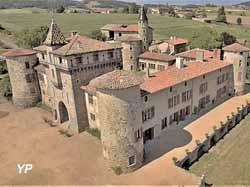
x=205, y=38
x=227, y=38
x=222, y=15
x=133, y=8
x=60, y=9
x=125, y=10
x=30, y=38
x=98, y=35
x=239, y=21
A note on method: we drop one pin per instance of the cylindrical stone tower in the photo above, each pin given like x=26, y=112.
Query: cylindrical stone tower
x=131, y=49
x=238, y=56
x=23, y=77
x=119, y=104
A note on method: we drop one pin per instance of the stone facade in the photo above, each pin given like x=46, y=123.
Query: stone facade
x=24, y=81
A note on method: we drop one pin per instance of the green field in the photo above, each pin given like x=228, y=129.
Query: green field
x=228, y=163
x=16, y=20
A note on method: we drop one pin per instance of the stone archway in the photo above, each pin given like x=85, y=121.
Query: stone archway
x=63, y=112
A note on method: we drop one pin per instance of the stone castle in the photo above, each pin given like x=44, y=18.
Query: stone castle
x=126, y=88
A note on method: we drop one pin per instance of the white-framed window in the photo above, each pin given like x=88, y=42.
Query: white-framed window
x=132, y=160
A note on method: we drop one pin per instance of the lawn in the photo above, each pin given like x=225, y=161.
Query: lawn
x=228, y=163
x=85, y=23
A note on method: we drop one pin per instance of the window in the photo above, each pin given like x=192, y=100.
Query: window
x=146, y=98
x=131, y=161
x=27, y=65
x=170, y=103
x=92, y=117
x=79, y=60
x=91, y=100
x=120, y=34
x=43, y=56
x=60, y=60
x=111, y=54
x=96, y=57
x=188, y=110
x=203, y=87
x=53, y=73
x=171, y=89
x=148, y=114
x=176, y=100
x=186, y=96
x=151, y=66
x=164, y=123
x=161, y=67
x=138, y=134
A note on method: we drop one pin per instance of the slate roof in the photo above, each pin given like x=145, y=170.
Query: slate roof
x=55, y=36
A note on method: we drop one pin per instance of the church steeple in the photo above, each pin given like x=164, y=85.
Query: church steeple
x=143, y=15
x=55, y=37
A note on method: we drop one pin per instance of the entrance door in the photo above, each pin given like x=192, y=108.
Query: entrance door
x=111, y=35
x=148, y=135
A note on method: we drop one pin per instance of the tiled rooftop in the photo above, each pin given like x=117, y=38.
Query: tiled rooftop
x=176, y=41
x=19, y=52
x=236, y=47
x=208, y=55
x=117, y=79
x=82, y=44
x=121, y=27
x=173, y=76
x=157, y=56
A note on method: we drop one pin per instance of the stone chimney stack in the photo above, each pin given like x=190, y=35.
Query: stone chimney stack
x=179, y=62
x=200, y=55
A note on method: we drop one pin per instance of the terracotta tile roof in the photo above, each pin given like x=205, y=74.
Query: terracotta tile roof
x=157, y=56
x=19, y=52
x=177, y=41
x=41, y=48
x=208, y=55
x=82, y=44
x=173, y=76
x=236, y=47
x=121, y=27
x=117, y=79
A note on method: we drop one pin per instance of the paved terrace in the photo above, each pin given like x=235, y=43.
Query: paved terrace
x=78, y=160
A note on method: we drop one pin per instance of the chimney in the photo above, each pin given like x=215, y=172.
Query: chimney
x=200, y=55
x=179, y=62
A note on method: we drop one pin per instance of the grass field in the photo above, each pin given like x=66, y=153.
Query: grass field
x=228, y=163
x=85, y=23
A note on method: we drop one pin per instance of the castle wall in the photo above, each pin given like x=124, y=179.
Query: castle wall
x=119, y=113
x=239, y=61
x=24, y=81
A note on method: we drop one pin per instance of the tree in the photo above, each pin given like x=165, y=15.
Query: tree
x=98, y=35
x=228, y=39
x=60, y=9
x=221, y=15
x=133, y=8
x=206, y=38
x=29, y=38
x=239, y=21
x=125, y=10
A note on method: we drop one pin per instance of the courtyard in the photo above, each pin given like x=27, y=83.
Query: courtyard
x=61, y=160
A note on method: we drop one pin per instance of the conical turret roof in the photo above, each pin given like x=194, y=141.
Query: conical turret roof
x=55, y=36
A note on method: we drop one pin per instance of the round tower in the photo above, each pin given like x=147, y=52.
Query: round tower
x=238, y=54
x=131, y=49
x=119, y=104
x=23, y=77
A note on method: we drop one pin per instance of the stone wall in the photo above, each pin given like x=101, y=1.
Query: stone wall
x=24, y=81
